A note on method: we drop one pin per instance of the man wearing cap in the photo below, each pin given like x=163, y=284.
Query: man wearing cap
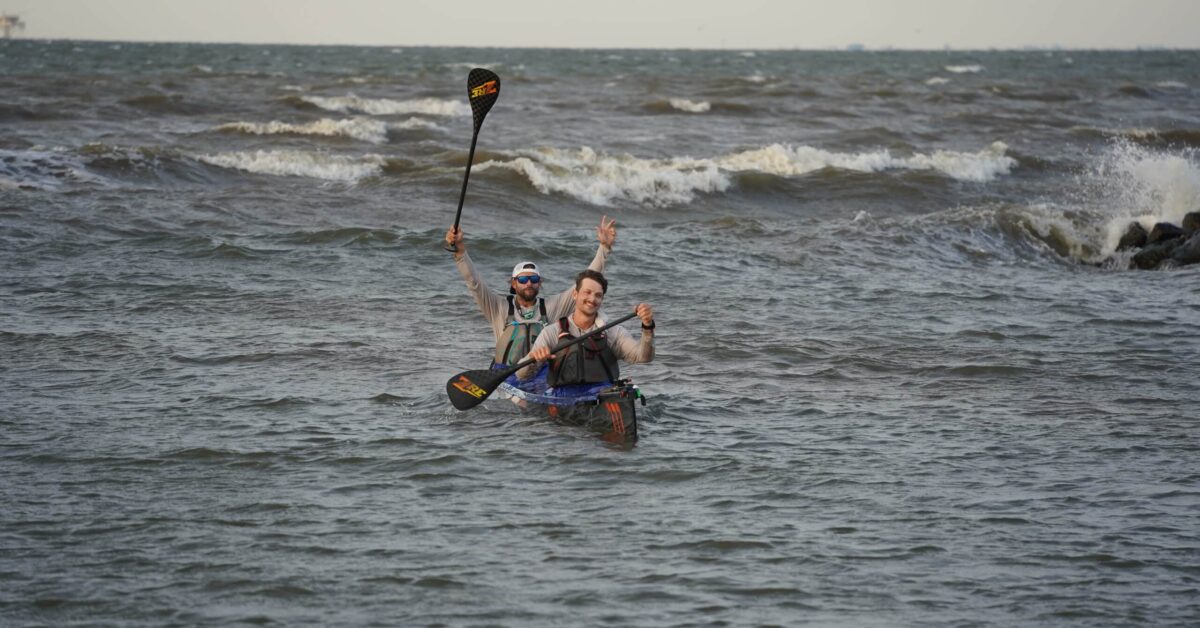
x=519, y=316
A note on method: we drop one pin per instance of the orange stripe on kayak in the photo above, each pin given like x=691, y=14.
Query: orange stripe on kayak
x=618, y=419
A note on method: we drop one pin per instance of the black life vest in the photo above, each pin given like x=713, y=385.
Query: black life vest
x=589, y=362
x=523, y=330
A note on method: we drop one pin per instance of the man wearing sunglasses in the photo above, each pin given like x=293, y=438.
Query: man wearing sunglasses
x=519, y=316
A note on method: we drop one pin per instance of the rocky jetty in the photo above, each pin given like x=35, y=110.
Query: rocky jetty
x=1165, y=245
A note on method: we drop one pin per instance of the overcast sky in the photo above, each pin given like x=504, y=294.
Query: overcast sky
x=626, y=23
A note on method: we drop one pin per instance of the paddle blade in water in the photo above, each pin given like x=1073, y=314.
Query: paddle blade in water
x=469, y=389
x=483, y=88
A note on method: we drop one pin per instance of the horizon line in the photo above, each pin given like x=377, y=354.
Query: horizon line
x=852, y=47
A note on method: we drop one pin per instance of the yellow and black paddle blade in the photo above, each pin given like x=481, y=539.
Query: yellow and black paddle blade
x=483, y=88
x=469, y=389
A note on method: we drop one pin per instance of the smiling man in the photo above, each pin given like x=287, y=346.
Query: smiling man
x=519, y=316
x=595, y=360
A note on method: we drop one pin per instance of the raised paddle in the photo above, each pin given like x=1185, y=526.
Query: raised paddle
x=483, y=88
x=470, y=388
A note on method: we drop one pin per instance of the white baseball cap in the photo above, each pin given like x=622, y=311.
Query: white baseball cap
x=525, y=267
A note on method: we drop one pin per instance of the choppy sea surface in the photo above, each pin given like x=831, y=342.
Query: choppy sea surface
x=901, y=380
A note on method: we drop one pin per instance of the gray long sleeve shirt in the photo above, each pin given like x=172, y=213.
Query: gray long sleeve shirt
x=619, y=340
x=494, y=305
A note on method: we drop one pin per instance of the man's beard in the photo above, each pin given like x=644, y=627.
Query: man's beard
x=528, y=293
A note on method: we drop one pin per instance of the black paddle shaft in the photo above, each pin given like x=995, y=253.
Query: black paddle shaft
x=469, y=389
x=483, y=88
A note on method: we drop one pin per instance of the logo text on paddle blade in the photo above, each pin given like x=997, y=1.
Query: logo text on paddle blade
x=469, y=387
x=483, y=90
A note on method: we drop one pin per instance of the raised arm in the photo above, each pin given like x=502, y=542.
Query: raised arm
x=489, y=302
x=560, y=304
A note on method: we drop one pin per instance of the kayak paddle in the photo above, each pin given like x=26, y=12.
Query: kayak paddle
x=483, y=88
x=470, y=388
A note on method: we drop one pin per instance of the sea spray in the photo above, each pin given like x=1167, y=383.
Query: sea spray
x=1133, y=183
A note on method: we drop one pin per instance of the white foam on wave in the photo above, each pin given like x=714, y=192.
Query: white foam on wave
x=683, y=104
x=417, y=124
x=789, y=161
x=364, y=129
x=1171, y=85
x=937, y=80
x=606, y=179
x=296, y=163
x=1147, y=186
x=387, y=106
x=964, y=69
x=755, y=78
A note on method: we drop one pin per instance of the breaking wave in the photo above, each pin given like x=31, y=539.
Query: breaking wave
x=964, y=69
x=788, y=161
x=1128, y=183
x=296, y=163
x=683, y=104
x=388, y=107
x=364, y=129
x=602, y=179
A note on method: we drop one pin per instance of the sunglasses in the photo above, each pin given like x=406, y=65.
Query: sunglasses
x=524, y=279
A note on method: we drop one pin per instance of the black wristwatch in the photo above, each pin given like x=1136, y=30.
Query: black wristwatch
x=650, y=326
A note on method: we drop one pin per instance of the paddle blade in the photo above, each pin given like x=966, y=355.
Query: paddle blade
x=469, y=389
x=483, y=88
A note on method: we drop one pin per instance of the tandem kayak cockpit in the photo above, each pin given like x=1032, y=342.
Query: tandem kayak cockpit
x=608, y=408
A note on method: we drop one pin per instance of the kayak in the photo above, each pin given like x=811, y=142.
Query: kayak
x=610, y=409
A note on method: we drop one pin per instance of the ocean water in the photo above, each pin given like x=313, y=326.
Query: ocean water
x=901, y=380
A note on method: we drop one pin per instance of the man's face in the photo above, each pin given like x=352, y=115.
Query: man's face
x=589, y=297
x=531, y=286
